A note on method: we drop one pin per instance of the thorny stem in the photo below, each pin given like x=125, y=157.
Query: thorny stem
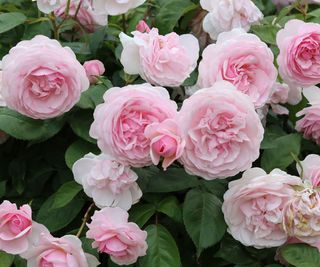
x=84, y=220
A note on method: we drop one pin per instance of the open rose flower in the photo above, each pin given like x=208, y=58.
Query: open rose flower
x=114, y=235
x=253, y=207
x=41, y=79
x=15, y=226
x=120, y=122
x=116, y=7
x=243, y=60
x=160, y=60
x=47, y=6
x=310, y=170
x=299, y=45
x=222, y=132
x=302, y=217
x=58, y=252
x=309, y=124
x=225, y=15
x=166, y=141
x=86, y=15
x=107, y=181
x=94, y=68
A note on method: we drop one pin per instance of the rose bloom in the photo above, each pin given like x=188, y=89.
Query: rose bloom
x=120, y=122
x=114, y=235
x=93, y=69
x=243, y=60
x=107, y=181
x=299, y=45
x=222, y=132
x=309, y=125
x=47, y=6
x=302, y=217
x=160, y=60
x=15, y=227
x=166, y=141
x=41, y=79
x=58, y=252
x=86, y=15
x=225, y=15
x=253, y=207
x=311, y=170
x=116, y=7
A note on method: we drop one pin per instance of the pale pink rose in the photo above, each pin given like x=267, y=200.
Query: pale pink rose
x=142, y=26
x=225, y=15
x=253, y=207
x=116, y=7
x=302, y=217
x=120, y=122
x=108, y=182
x=93, y=69
x=222, y=132
x=242, y=59
x=41, y=79
x=86, y=15
x=310, y=170
x=113, y=234
x=47, y=6
x=166, y=141
x=2, y=102
x=66, y=251
x=160, y=60
x=299, y=45
x=309, y=125
x=15, y=227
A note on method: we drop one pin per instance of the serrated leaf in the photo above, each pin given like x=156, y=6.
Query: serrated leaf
x=5, y=259
x=65, y=194
x=203, y=219
x=171, y=207
x=141, y=213
x=11, y=20
x=301, y=255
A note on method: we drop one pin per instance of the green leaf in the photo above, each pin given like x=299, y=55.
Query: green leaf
x=65, y=194
x=5, y=259
x=9, y=21
x=281, y=158
x=94, y=95
x=267, y=33
x=43, y=28
x=24, y=128
x=19, y=262
x=203, y=219
x=80, y=122
x=170, y=12
x=162, y=249
x=271, y=133
x=56, y=219
x=153, y=180
x=77, y=150
x=217, y=187
x=17, y=171
x=301, y=255
x=3, y=187
x=141, y=213
x=171, y=207
x=87, y=247
x=78, y=48
x=284, y=12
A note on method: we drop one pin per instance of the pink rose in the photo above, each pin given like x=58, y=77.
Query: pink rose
x=299, y=45
x=160, y=60
x=86, y=15
x=142, y=26
x=114, y=235
x=166, y=141
x=116, y=7
x=2, y=102
x=41, y=79
x=58, y=252
x=311, y=170
x=243, y=60
x=222, y=132
x=47, y=6
x=107, y=181
x=120, y=122
x=309, y=125
x=225, y=15
x=93, y=69
x=253, y=207
x=15, y=227
x=302, y=217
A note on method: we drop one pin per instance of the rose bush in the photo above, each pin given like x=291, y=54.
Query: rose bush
x=153, y=133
